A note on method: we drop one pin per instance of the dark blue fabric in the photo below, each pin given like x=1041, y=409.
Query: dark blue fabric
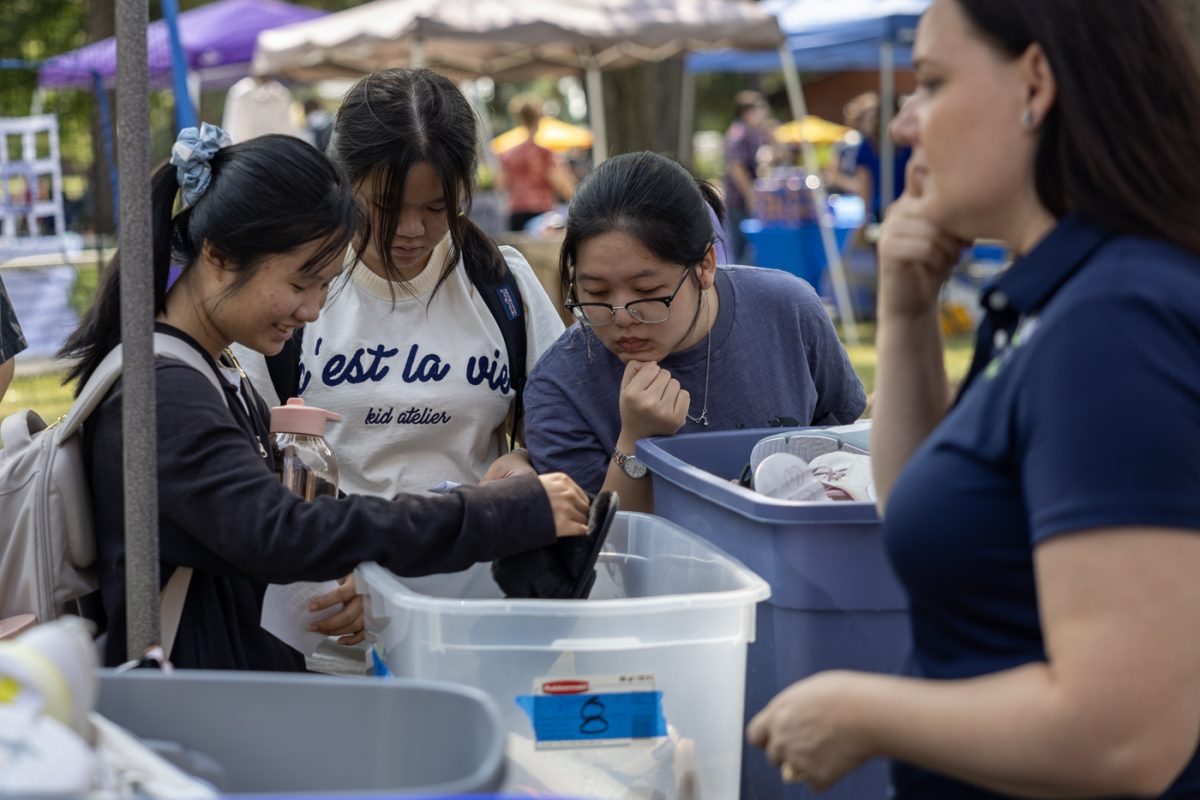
x=1082, y=414
x=774, y=354
x=12, y=341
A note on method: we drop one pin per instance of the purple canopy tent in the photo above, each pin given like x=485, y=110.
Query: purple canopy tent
x=218, y=42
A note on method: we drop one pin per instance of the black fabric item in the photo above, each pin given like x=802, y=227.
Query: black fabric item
x=223, y=512
x=563, y=570
x=285, y=366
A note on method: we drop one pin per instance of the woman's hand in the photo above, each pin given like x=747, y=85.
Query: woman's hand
x=348, y=624
x=652, y=402
x=915, y=259
x=807, y=731
x=569, y=503
x=509, y=465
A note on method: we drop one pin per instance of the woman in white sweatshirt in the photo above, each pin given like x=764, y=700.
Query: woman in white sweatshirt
x=408, y=350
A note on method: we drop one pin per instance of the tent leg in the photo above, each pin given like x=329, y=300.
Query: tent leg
x=138, y=410
x=595, y=101
x=887, y=150
x=185, y=111
x=833, y=255
x=107, y=129
x=687, y=117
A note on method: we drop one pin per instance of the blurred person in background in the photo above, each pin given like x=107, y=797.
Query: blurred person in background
x=860, y=165
x=535, y=177
x=748, y=133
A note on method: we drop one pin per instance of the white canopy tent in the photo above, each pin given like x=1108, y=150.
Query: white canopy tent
x=513, y=39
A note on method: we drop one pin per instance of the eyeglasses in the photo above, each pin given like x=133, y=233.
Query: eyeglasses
x=650, y=311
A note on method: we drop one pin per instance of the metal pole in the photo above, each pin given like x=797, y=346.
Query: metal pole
x=887, y=150
x=185, y=112
x=107, y=132
x=595, y=101
x=833, y=255
x=138, y=412
x=687, y=116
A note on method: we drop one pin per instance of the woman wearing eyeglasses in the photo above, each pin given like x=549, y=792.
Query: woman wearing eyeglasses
x=668, y=340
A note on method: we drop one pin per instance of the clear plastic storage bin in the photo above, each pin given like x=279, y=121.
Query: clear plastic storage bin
x=835, y=602
x=635, y=692
x=284, y=733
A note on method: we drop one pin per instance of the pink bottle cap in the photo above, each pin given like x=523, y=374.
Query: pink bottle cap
x=296, y=417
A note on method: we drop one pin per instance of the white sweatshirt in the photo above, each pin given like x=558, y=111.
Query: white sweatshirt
x=422, y=386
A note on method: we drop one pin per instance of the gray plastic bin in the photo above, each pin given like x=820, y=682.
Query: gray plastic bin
x=309, y=734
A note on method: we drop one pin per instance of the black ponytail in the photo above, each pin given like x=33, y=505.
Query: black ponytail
x=267, y=196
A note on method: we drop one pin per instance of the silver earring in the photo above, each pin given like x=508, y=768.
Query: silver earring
x=1027, y=118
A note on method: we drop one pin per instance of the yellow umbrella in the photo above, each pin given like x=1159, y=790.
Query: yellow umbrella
x=811, y=129
x=552, y=134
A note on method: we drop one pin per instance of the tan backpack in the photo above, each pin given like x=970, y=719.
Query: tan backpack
x=47, y=541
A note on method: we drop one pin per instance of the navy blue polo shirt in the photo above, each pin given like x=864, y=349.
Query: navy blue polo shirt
x=1082, y=412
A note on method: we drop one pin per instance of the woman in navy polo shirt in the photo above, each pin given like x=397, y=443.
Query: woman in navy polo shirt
x=1045, y=523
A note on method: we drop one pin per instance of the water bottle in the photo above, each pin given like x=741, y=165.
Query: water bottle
x=303, y=460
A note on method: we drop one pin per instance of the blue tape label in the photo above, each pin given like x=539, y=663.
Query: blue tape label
x=595, y=712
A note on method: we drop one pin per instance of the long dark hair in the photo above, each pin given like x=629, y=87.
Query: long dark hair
x=649, y=197
x=267, y=196
x=1123, y=138
x=389, y=122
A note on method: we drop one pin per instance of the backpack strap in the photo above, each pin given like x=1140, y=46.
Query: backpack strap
x=503, y=299
x=171, y=601
x=109, y=369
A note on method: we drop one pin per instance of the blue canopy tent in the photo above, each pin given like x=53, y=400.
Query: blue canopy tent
x=824, y=36
x=827, y=36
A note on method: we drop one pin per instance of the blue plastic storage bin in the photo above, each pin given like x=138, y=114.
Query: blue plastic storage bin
x=835, y=602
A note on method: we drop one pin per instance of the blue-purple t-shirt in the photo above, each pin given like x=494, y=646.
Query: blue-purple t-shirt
x=1087, y=417
x=774, y=354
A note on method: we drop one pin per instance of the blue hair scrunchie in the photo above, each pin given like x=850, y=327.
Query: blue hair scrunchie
x=190, y=154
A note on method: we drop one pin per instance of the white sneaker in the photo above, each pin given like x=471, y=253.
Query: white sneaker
x=845, y=476
x=784, y=476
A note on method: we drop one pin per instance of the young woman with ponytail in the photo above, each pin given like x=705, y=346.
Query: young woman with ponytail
x=668, y=340
x=257, y=232
x=407, y=350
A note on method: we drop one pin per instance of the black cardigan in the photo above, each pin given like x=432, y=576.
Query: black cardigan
x=223, y=512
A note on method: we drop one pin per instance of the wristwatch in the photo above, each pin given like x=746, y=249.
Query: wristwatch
x=630, y=465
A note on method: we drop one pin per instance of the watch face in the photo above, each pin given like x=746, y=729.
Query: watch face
x=634, y=468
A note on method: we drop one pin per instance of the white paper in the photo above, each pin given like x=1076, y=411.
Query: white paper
x=285, y=614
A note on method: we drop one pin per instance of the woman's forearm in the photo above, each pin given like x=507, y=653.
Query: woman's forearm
x=1021, y=722
x=911, y=393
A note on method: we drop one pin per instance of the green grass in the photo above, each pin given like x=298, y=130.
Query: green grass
x=46, y=395
x=864, y=358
